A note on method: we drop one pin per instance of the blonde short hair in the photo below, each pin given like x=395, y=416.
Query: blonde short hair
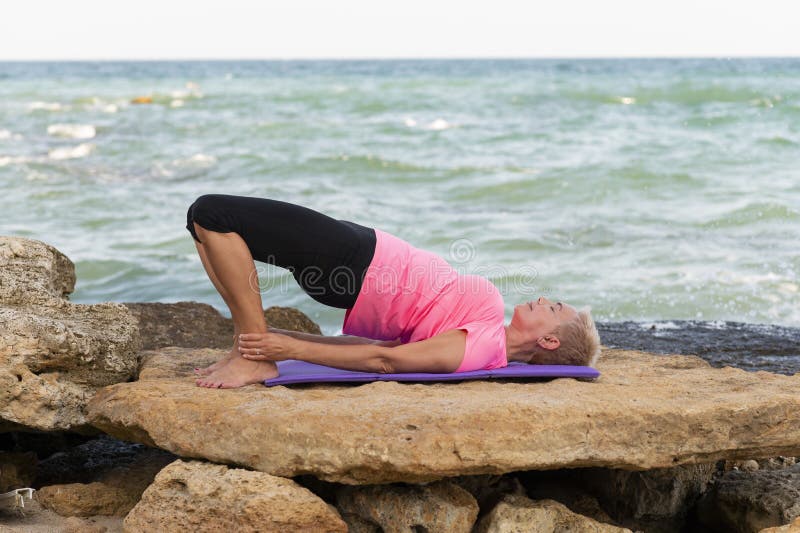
x=580, y=343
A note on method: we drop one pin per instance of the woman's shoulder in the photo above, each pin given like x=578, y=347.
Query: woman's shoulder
x=482, y=292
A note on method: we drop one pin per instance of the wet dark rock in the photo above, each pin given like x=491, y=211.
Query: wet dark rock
x=91, y=460
x=747, y=346
x=745, y=502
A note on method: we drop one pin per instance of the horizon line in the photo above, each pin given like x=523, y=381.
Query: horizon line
x=399, y=58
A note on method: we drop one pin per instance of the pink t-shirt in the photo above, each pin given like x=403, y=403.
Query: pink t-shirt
x=412, y=294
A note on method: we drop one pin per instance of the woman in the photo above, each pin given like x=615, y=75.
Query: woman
x=408, y=310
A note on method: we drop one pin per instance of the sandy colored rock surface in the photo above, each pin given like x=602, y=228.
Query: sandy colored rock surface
x=113, y=493
x=86, y=499
x=793, y=527
x=37, y=519
x=439, y=506
x=204, y=497
x=644, y=412
x=517, y=513
x=32, y=271
x=53, y=353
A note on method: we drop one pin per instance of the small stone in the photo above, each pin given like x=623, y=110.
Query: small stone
x=750, y=465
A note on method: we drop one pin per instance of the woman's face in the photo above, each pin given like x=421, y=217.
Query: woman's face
x=540, y=317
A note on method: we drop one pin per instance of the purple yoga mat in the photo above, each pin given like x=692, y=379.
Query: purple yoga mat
x=292, y=371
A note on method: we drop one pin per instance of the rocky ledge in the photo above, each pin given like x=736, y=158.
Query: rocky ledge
x=657, y=443
x=644, y=412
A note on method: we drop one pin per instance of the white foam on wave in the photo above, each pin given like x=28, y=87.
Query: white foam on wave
x=72, y=131
x=196, y=161
x=8, y=160
x=193, y=91
x=47, y=106
x=659, y=325
x=8, y=134
x=176, y=103
x=439, y=124
x=102, y=105
x=410, y=122
x=71, y=152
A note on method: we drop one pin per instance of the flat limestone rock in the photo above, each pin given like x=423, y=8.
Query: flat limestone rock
x=203, y=497
x=644, y=412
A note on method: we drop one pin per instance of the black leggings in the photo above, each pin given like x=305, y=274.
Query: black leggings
x=328, y=257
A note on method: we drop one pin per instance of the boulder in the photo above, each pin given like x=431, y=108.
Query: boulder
x=187, y=324
x=488, y=490
x=793, y=527
x=656, y=501
x=33, y=272
x=54, y=354
x=198, y=325
x=439, y=506
x=112, y=492
x=515, y=513
x=644, y=412
x=87, y=499
x=203, y=497
x=745, y=502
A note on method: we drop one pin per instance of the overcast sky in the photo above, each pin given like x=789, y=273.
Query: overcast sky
x=287, y=29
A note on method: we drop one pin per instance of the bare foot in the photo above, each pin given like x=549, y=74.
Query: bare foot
x=234, y=352
x=219, y=364
x=239, y=372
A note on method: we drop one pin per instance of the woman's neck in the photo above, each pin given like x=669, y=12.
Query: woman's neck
x=516, y=347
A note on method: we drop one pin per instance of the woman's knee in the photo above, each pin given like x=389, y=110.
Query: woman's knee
x=208, y=203
x=209, y=212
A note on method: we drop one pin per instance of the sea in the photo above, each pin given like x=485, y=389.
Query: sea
x=651, y=190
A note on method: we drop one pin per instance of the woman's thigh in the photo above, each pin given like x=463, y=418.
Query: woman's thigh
x=328, y=257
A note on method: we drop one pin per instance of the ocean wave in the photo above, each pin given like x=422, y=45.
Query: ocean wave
x=95, y=103
x=195, y=161
x=515, y=191
x=778, y=141
x=71, y=152
x=368, y=162
x=683, y=92
x=47, y=106
x=72, y=131
x=9, y=160
x=754, y=213
x=4, y=134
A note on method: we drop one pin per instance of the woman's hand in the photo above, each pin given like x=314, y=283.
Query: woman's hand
x=266, y=346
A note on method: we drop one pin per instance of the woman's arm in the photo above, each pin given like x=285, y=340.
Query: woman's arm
x=441, y=353
x=338, y=339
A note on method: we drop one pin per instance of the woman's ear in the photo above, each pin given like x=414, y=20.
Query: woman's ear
x=548, y=342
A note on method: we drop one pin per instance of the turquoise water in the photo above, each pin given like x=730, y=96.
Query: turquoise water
x=648, y=189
